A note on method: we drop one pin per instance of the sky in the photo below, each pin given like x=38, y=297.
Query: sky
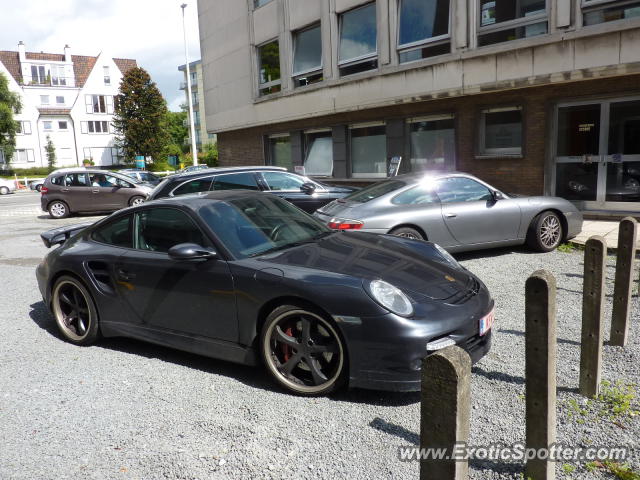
x=149, y=31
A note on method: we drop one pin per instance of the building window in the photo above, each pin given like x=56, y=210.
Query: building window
x=62, y=125
x=501, y=131
x=57, y=75
x=38, y=74
x=423, y=30
x=95, y=127
x=194, y=78
x=307, y=56
x=24, y=127
x=318, y=153
x=259, y=3
x=64, y=154
x=60, y=100
x=23, y=155
x=47, y=126
x=106, y=75
x=44, y=99
x=99, y=103
x=358, y=40
x=506, y=20
x=368, y=150
x=432, y=143
x=599, y=11
x=280, y=151
x=269, y=68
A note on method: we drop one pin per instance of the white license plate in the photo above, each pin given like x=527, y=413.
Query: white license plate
x=487, y=321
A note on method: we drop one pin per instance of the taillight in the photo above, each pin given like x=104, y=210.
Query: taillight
x=343, y=224
x=44, y=190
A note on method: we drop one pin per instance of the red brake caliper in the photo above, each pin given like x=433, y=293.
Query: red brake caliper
x=286, y=349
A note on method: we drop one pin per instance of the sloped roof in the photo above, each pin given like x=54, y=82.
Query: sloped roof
x=82, y=64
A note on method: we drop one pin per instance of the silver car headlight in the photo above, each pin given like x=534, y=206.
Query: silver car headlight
x=390, y=298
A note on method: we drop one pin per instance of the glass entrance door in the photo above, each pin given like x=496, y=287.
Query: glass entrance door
x=597, y=154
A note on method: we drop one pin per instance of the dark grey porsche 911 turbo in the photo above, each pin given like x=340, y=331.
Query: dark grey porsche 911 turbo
x=247, y=277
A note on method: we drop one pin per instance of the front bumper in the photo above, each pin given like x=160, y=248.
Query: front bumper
x=574, y=223
x=386, y=353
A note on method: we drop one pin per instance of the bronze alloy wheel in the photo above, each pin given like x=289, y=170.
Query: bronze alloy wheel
x=303, y=351
x=74, y=311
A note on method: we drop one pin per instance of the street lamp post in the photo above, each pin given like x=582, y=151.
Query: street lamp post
x=194, y=147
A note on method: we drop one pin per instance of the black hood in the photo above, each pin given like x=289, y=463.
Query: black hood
x=412, y=266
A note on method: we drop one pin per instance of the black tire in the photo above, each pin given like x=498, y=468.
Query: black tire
x=312, y=367
x=407, y=232
x=545, y=232
x=4, y=190
x=38, y=188
x=58, y=209
x=137, y=200
x=74, y=311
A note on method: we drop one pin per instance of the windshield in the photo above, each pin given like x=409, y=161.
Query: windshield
x=375, y=191
x=252, y=226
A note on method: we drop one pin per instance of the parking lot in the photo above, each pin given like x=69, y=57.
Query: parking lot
x=125, y=409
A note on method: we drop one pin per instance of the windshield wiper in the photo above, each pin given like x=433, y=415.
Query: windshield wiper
x=293, y=244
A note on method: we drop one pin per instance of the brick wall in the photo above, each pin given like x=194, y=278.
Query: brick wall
x=522, y=175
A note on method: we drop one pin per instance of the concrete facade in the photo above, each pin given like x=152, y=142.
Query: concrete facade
x=59, y=105
x=197, y=100
x=537, y=73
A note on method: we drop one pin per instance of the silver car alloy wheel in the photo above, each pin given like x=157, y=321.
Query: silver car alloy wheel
x=412, y=236
x=137, y=201
x=550, y=231
x=58, y=209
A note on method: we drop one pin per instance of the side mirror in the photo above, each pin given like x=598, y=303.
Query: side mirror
x=308, y=188
x=498, y=195
x=191, y=251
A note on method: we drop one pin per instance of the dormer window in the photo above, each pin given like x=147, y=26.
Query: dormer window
x=38, y=74
x=57, y=75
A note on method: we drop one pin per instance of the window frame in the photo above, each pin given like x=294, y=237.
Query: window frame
x=310, y=71
x=43, y=98
x=362, y=58
x=440, y=181
x=587, y=6
x=273, y=83
x=500, y=152
x=257, y=4
x=357, y=126
x=250, y=172
x=306, y=148
x=47, y=125
x=210, y=177
x=134, y=229
x=425, y=43
x=269, y=149
x=129, y=217
x=510, y=24
x=290, y=174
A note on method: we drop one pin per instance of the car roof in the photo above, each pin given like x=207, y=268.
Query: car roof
x=196, y=200
x=209, y=171
x=93, y=171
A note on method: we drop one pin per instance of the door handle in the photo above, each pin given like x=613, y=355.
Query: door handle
x=450, y=214
x=124, y=275
x=64, y=189
x=95, y=190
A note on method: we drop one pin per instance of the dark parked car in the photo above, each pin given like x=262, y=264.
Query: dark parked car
x=249, y=278
x=309, y=195
x=142, y=176
x=455, y=210
x=89, y=190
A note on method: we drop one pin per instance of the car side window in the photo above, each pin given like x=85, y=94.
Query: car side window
x=283, y=181
x=58, y=180
x=461, y=189
x=76, y=180
x=235, y=181
x=159, y=229
x=194, y=186
x=415, y=196
x=116, y=233
x=122, y=183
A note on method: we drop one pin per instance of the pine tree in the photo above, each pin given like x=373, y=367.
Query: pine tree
x=51, y=153
x=9, y=105
x=139, y=120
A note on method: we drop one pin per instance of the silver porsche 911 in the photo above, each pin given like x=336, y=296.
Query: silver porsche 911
x=455, y=210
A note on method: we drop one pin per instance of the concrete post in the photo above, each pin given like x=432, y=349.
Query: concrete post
x=540, y=370
x=445, y=410
x=627, y=236
x=592, y=314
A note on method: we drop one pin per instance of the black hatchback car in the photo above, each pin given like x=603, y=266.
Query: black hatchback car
x=306, y=194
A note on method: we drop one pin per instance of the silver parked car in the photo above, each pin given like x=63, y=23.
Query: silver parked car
x=457, y=211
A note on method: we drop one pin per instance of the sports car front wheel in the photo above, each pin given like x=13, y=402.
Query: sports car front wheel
x=303, y=351
x=545, y=232
x=74, y=311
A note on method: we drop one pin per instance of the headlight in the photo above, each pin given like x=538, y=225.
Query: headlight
x=390, y=297
x=447, y=257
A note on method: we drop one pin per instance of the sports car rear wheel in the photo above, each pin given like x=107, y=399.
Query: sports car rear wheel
x=545, y=232
x=303, y=351
x=74, y=311
x=407, y=232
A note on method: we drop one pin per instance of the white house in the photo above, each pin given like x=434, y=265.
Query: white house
x=67, y=97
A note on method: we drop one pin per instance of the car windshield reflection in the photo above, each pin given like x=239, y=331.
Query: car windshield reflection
x=254, y=226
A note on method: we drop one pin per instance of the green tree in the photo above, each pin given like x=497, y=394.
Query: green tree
x=50, y=149
x=140, y=116
x=9, y=105
x=176, y=128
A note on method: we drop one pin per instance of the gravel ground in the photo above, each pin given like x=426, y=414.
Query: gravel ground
x=127, y=410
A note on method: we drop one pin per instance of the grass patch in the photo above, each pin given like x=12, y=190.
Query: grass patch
x=616, y=399
x=566, y=248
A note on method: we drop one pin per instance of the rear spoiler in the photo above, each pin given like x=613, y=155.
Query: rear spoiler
x=58, y=236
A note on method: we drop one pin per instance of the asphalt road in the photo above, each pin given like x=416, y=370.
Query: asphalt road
x=123, y=409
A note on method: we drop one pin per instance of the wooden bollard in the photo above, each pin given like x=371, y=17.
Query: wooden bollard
x=540, y=371
x=445, y=410
x=592, y=315
x=627, y=236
